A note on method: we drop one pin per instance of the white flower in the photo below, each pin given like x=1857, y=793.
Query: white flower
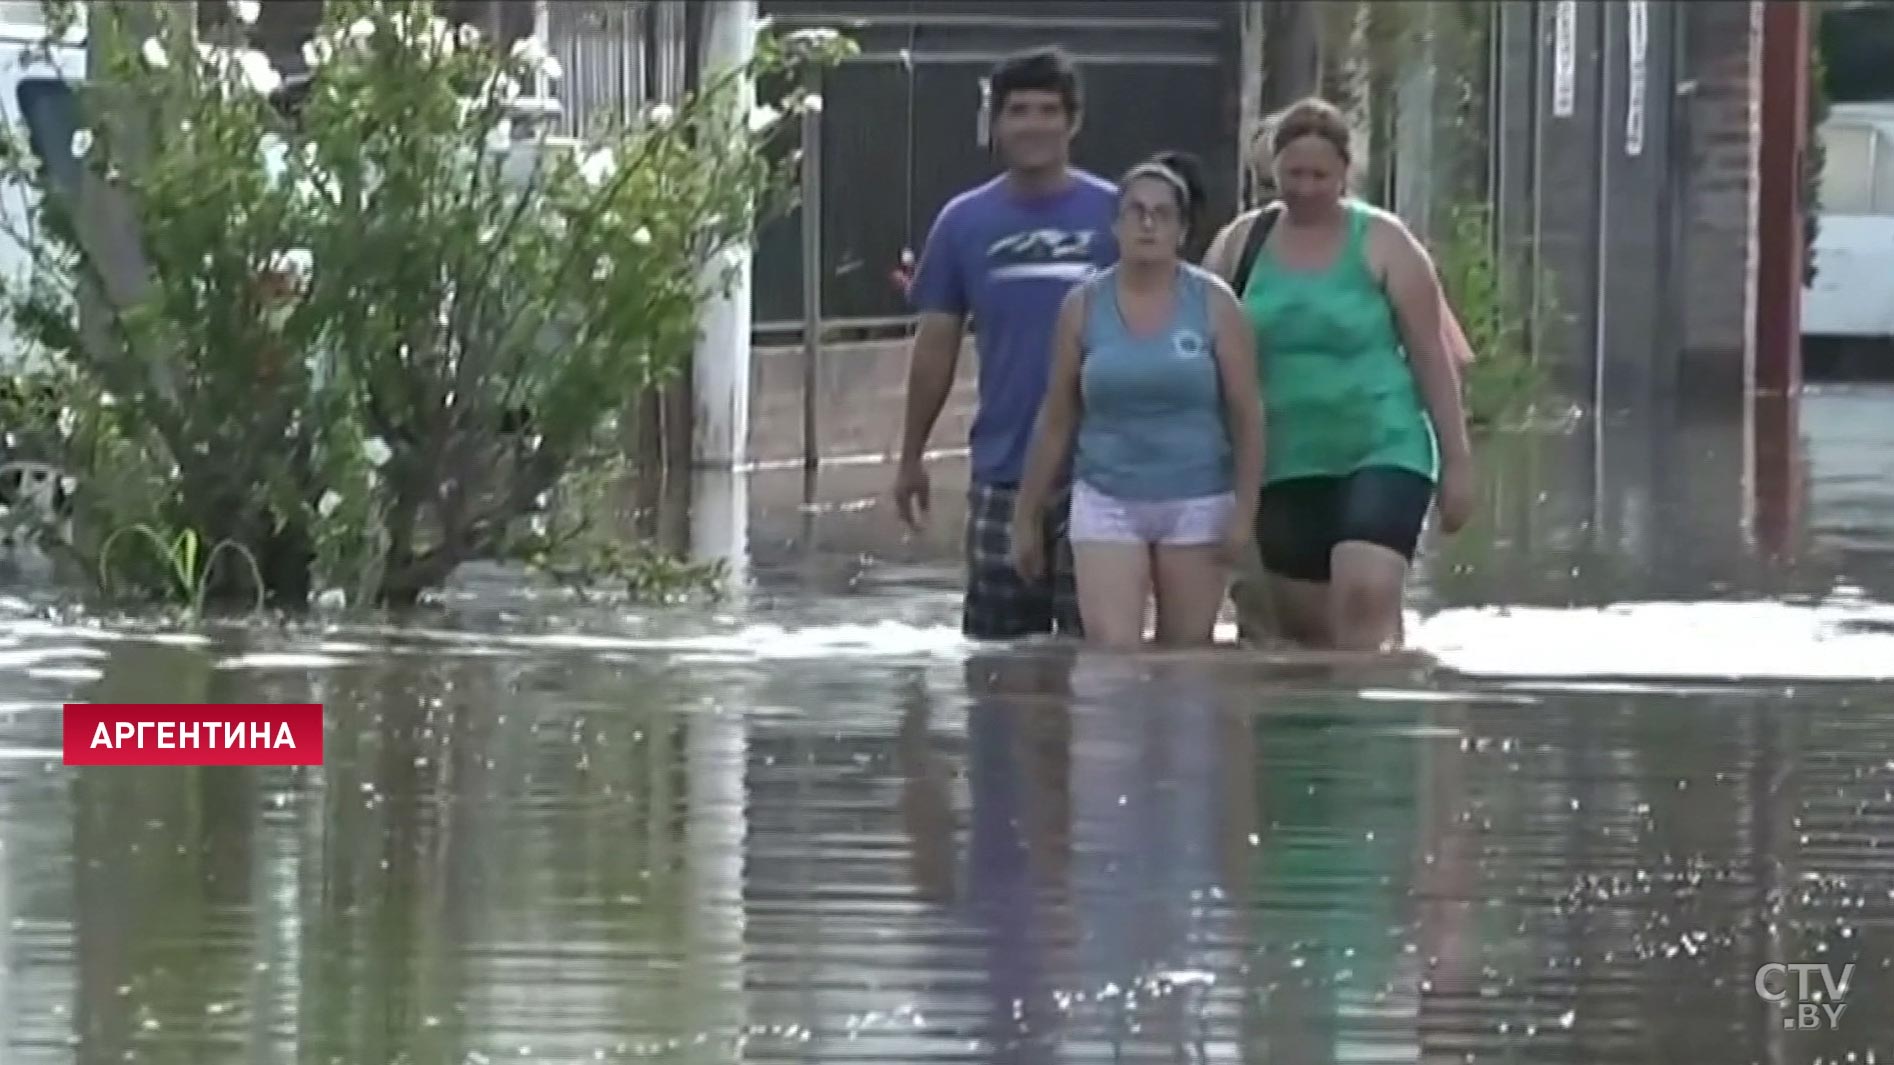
x=598, y=166
x=441, y=38
x=660, y=115
x=763, y=117
x=375, y=450
x=812, y=103
x=642, y=237
x=813, y=37
x=361, y=29
x=154, y=54
x=332, y=599
x=246, y=11
x=469, y=35
x=503, y=87
x=329, y=501
x=81, y=143
x=257, y=72
x=296, y=262
x=530, y=51
x=318, y=51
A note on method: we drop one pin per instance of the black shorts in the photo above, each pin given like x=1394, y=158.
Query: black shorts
x=1299, y=521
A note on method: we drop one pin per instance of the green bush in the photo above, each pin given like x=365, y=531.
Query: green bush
x=370, y=337
x=1505, y=381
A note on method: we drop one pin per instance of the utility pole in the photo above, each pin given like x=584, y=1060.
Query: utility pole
x=1784, y=143
x=1777, y=383
x=720, y=365
x=105, y=222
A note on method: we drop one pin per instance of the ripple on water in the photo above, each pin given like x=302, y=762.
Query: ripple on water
x=875, y=842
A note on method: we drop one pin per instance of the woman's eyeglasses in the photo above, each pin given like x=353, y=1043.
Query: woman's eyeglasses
x=1146, y=214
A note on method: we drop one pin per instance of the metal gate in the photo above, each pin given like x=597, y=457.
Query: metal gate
x=1589, y=186
x=902, y=128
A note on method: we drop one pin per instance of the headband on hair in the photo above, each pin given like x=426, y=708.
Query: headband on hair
x=1165, y=173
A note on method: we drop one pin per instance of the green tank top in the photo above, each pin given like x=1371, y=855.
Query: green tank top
x=1338, y=393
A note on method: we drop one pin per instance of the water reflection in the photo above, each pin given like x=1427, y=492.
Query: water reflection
x=819, y=827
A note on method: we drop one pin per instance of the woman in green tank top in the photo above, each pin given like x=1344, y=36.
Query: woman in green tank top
x=1364, y=428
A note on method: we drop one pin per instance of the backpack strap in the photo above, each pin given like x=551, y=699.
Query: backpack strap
x=1253, y=239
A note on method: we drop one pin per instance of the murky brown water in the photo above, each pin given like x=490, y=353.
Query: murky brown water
x=816, y=827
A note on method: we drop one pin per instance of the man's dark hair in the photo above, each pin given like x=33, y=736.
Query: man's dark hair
x=1048, y=69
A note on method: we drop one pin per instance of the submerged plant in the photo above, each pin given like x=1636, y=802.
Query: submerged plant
x=186, y=568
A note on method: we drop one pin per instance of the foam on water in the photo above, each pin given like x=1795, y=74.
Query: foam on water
x=1838, y=640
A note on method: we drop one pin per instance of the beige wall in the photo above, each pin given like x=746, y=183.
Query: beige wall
x=861, y=395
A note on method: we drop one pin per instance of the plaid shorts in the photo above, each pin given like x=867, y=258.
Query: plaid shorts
x=1000, y=604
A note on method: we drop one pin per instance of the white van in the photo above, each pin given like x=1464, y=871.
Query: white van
x=1852, y=298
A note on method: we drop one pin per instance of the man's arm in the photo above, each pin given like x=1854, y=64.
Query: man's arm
x=933, y=362
x=939, y=295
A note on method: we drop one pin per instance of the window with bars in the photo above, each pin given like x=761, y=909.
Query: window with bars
x=618, y=57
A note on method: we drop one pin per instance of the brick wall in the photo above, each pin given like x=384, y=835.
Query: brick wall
x=1722, y=112
x=861, y=394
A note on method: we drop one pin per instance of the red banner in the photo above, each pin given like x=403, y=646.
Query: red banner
x=193, y=734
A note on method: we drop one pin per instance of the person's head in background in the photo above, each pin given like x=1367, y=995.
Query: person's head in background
x=1262, y=165
x=1160, y=204
x=1034, y=100
x=1309, y=154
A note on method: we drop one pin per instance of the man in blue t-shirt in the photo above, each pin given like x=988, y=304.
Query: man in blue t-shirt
x=1004, y=254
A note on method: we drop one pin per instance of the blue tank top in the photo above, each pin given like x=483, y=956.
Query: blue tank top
x=1151, y=425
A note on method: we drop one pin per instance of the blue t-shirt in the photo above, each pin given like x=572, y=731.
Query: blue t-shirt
x=1008, y=260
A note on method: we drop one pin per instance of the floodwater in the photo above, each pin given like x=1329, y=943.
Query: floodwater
x=1656, y=754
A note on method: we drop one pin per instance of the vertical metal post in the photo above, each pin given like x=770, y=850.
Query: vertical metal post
x=1250, y=107
x=811, y=278
x=721, y=363
x=1777, y=380
x=1785, y=66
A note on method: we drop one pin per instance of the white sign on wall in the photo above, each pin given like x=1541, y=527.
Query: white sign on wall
x=1565, y=59
x=1638, y=29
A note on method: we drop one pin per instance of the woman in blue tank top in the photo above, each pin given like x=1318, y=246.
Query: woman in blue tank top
x=1153, y=396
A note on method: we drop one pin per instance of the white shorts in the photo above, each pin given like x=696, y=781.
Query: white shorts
x=1099, y=518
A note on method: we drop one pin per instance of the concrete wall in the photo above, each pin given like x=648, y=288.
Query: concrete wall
x=861, y=395
x=1646, y=245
